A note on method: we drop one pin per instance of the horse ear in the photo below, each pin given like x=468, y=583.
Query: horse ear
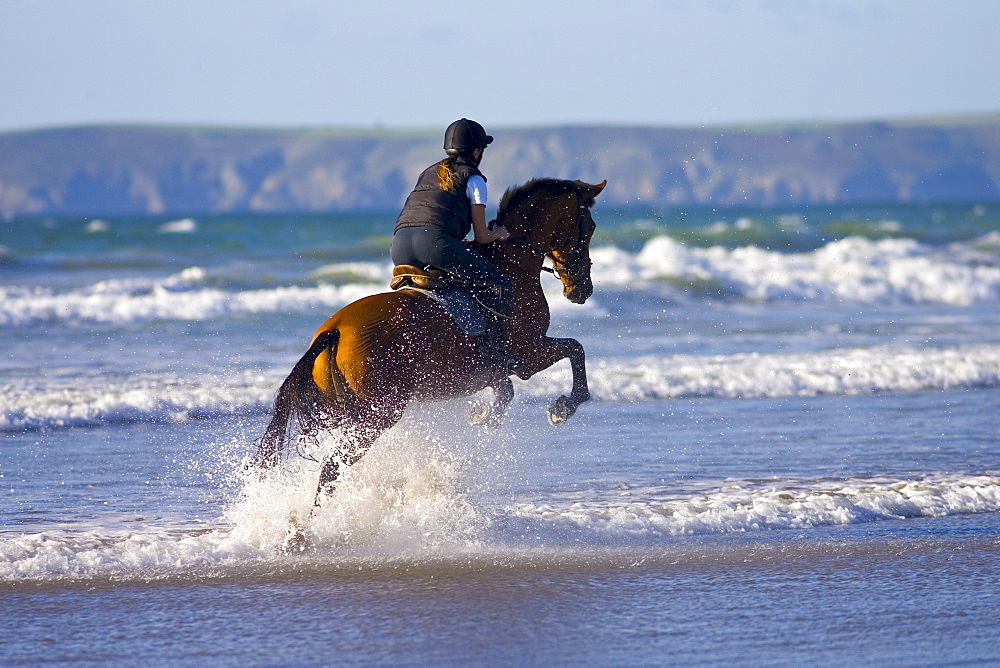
x=592, y=191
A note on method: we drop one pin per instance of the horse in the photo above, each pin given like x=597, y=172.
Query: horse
x=379, y=353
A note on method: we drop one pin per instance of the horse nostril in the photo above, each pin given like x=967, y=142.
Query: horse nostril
x=578, y=294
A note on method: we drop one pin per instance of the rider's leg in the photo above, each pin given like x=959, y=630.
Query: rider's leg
x=423, y=246
x=495, y=294
x=492, y=344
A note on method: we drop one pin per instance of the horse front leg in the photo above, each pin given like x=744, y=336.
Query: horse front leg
x=548, y=352
x=492, y=414
x=564, y=407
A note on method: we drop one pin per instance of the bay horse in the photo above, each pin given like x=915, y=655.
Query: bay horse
x=375, y=355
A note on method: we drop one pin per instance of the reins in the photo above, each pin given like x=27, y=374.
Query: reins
x=537, y=250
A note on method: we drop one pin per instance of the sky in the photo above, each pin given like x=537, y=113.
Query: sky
x=512, y=63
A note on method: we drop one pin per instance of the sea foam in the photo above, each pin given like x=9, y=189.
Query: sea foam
x=758, y=506
x=844, y=371
x=182, y=296
x=152, y=397
x=31, y=403
x=380, y=521
x=852, y=270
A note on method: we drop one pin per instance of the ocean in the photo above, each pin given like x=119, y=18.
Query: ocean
x=791, y=455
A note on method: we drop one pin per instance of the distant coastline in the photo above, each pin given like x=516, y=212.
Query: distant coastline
x=122, y=169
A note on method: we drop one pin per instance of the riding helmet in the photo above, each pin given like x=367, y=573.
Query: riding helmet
x=464, y=135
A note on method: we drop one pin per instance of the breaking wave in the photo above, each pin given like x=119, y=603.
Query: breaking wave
x=757, y=506
x=183, y=296
x=852, y=270
x=31, y=403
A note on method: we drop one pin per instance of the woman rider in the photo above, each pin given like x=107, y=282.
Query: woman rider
x=447, y=203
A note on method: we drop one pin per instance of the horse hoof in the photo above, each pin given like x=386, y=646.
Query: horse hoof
x=485, y=414
x=296, y=539
x=295, y=542
x=560, y=411
x=480, y=412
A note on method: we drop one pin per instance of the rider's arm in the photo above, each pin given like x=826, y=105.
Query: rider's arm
x=476, y=191
x=484, y=234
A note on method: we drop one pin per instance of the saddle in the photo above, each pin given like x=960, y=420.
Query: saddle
x=408, y=275
x=456, y=301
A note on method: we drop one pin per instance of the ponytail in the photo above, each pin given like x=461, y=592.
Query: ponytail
x=446, y=173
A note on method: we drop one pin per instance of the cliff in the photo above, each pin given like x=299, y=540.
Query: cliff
x=126, y=169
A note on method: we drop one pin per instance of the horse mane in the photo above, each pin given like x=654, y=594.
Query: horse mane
x=515, y=196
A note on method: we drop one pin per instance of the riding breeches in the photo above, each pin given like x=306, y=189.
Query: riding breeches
x=430, y=246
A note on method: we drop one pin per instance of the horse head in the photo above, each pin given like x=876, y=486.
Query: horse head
x=552, y=218
x=570, y=252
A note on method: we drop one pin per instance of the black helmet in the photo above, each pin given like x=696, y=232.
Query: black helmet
x=464, y=135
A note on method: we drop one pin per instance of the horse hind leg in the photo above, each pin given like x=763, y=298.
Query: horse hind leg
x=328, y=475
x=369, y=426
x=332, y=467
x=299, y=537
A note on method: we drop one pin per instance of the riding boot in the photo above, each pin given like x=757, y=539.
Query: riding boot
x=494, y=353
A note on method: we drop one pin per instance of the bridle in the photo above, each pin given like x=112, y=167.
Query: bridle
x=560, y=268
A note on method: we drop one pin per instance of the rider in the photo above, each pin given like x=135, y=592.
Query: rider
x=447, y=203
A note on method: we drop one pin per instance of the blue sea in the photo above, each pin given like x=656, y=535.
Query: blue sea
x=792, y=456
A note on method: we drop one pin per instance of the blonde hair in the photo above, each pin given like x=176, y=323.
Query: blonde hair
x=446, y=173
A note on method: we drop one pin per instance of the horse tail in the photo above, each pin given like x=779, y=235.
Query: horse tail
x=299, y=397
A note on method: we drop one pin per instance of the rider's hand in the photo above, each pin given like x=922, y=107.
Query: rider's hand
x=500, y=232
